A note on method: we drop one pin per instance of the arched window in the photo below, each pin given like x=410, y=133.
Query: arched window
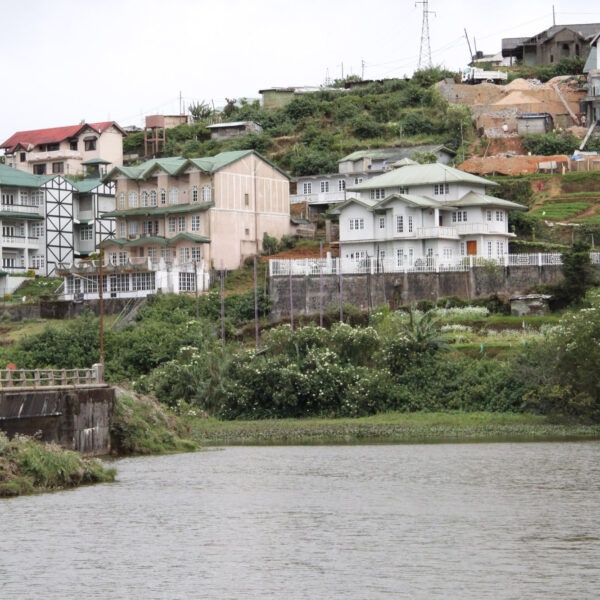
x=122, y=200
x=144, y=198
x=206, y=193
x=133, y=199
x=173, y=196
x=195, y=193
x=163, y=196
x=153, y=198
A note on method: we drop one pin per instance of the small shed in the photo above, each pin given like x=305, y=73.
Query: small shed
x=227, y=131
x=531, y=304
x=534, y=123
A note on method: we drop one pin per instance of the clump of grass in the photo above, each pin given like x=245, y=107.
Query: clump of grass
x=141, y=425
x=27, y=466
x=564, y=210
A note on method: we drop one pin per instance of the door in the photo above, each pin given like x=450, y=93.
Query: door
x=472, y=248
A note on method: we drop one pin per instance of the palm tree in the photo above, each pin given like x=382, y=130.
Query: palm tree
x=422, y=330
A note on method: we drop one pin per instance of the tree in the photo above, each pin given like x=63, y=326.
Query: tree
x=577, y=271
x=423, y=333
x=424, y=158
x=200, y=110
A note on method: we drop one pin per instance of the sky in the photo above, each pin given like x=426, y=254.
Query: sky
x=71, y=60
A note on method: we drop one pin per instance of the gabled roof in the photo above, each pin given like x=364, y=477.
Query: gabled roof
x=190, y=237
x=85, y=185
x=395, y=153
x=35, y=137
x=412, y=199
x=475, y=199
x=364, y=203
x=428, y=174
x=15, y=177
x=174, y=166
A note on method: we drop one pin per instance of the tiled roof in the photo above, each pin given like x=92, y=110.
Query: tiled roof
x=35, y=137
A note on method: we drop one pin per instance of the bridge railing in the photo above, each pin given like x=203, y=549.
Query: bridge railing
x=36, y=378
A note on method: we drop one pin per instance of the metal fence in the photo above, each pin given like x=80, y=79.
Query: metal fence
x=331, y=266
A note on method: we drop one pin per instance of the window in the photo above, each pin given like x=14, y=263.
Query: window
x=173, y=195
x=460, y=216
x=90, y=284
x=24, y=197
x=37, y=230
x=399, y=224
x=180, y=224
x=196, y=254
x=143, y=281
x=357, y=180
x=187, y=282
x=53, y=147
x=400, y=256
x=377, y=194
x=410, y=224
x=90, y=144
x=246, y=200
x=195, y=222
x=403, y=190
x=184, y=255
x=147, y=227
x=119, y=282
x=58, y=167
x=152, y=253
x=39, y=169
x=464, y=216
x=112, y=257
x=8, y=198
x=324, y=186
x=195, y=193
x=164, y=253
x=462, y=248
x=206, y=193
x=37, y=198
x=441, y=189
x=489, y=248
x=156, y=227
x=122, y=229
x=152, y=197
x=381, y=222
x=133, y=228
x=171, y=224
x=86, y=232
x=247, y=232
x=499, y=215
x=488, y=215
x=307, y=188
x=122, y=257
x=356, y=224
x=73, y=144
x=500, y=248
x=37, y=261
x=144, y=199
x=122, y=200
x=22, y=156
x=447, y=252
x=341, y=185
x=163, y=196
x=133, y=199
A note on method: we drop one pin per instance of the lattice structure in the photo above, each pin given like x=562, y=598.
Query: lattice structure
x=425, y=61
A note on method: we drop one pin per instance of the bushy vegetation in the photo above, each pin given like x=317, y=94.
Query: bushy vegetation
x=565, y=66
x=28, y=466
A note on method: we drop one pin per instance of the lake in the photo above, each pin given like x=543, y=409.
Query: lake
x=318, y=522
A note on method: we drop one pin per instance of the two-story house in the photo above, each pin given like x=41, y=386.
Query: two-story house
x=178, y=218
x=47, y=220
x=591, y=103
x=64, y=150
x=321, y=192
x=425, y=212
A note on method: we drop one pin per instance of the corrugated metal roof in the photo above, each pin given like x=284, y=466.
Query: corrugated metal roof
x=16, y=177
x=85, y=185
x=475, y=199
x=231, y=124
x=395, y=153
x=9, y=214
x=160, y=210
x=428, y=174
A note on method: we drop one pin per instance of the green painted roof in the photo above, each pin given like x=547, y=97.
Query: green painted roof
x=160, y=210
x=474, y=199
x=420, y=175
x=16, y=177
x=85, y=185
x=160, y=240
x=176, y=165
x=116, y=241
x=147, y=240
x=9, y=214
x=96, y=161
x=394, y=153
x=190, y=237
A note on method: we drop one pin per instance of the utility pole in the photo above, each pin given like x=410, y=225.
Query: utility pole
x=469, y=43
x=362, y=69
x=553, y=16
x=425, y=61
x=101, y=297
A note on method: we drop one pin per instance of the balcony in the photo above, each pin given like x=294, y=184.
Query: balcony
x=481, y=228
x=442, y=233
x=21, y=208
x=320, y=198
x=20, y=241
x=54, y=155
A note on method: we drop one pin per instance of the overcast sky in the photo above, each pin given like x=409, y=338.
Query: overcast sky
x=68, y=60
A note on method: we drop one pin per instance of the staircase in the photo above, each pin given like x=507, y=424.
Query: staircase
x=129, y=313
x=588, y=135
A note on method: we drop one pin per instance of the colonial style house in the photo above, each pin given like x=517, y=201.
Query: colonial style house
x=321, y=192
x=425, y=212
x=178, y=218
x=64, y=150
x=47, y=220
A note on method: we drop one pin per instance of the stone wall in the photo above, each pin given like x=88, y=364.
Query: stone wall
x=397, y=289
x=75, y=418
x=60, y=309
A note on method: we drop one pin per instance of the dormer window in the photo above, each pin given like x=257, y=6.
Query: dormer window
x=73, y=144
x=52, y=147
x=377, y=194
x=90, y=143
x=22, y=156
x=441, y=189
x=403, y=190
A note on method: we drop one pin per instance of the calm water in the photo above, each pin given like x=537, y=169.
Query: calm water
x=423, y=521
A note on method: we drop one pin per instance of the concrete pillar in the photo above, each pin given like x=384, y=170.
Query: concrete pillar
x=98, y=370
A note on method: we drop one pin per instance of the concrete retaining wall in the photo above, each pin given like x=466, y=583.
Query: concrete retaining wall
x=398, y=289
x=75, y=418
x=60, y=309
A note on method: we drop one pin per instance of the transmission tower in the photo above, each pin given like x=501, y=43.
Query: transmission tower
x=425, y=61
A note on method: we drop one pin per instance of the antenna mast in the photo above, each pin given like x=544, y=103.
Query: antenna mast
x=425, y=61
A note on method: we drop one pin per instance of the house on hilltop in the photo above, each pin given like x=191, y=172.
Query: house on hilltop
x=63, y=150
x=419, y=213
x=591, y=103
x=552, y=44
x=178, y=218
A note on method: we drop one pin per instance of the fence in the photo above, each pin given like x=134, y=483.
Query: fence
x=404, y=264
x=36, y=378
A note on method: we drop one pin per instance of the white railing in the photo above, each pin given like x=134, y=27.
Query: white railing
x=438, y=232
x=331, y=266
x=319, y=198
x=476, y=228
x=19, y=378
x=20, y=241
x=22, y=208
x=53, y=155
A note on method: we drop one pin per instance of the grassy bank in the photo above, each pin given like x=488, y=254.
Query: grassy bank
x=389, y=428
x=28, y=466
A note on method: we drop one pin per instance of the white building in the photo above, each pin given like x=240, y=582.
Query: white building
x=420, y=213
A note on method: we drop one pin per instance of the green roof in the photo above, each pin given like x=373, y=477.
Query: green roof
x=190, y=237
x=147, y=240
x=16, y=177
x=176, y=165
x=96, y=161
x=429, y=174
x=9, y=214
x=394, y=153
x=160, y=210
x=162, y=241
x=475, y=199
x=85, y=185
x=373, y=205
